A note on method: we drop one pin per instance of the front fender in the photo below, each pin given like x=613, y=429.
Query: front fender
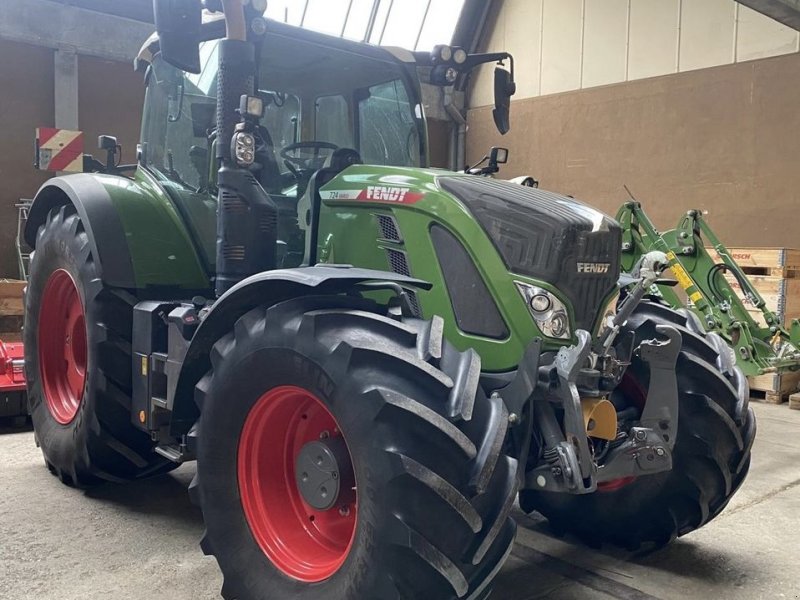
x=264, y=289
x=137, y=238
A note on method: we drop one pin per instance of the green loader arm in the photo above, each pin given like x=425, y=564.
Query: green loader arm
x=708, y=293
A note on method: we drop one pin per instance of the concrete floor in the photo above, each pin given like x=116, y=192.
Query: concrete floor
x=140, y=541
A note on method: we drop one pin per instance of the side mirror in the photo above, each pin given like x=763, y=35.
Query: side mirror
x=498, y=156
x=504, y=88
x=107, y=142
x=178, y=23
x=110, y=145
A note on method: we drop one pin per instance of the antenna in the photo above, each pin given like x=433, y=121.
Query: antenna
x=630, y=193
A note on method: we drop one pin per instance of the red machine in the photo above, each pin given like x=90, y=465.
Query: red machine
x=13, y=401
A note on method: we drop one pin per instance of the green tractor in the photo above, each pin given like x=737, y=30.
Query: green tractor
x=369, y=359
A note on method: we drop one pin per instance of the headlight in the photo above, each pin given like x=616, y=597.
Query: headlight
x=541, y=303
x=546, y=309
x=558, y=325
x=444, y=53
x=459, y=56
x=244, y=148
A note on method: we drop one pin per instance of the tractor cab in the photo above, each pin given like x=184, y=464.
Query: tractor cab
x=327, y=103
x=324, y=106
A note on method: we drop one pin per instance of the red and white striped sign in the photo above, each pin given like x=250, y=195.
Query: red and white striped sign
x=59, y=150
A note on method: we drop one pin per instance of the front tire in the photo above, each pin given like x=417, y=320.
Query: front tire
x=428, y=516
x=78, y=362
x=711, y=456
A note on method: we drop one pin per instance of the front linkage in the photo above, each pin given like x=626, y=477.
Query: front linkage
x=718, y=307
x=577, y=381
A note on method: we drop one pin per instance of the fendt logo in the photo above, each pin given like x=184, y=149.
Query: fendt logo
x=593, y=268
x=375, y=193
x=386, y=194
x=397, y=195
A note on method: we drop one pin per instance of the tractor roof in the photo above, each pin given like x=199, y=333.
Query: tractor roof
x=214, y=28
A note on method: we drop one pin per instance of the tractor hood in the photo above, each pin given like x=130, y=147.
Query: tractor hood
x=548, y=237
x=538, y=236
x=485, y=245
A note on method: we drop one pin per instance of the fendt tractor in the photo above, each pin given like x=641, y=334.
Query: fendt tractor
x=368, y=358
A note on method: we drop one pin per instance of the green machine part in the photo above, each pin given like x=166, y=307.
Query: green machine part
x=708, y=293
x=163, y=247
x=170, y=238
x=353, y=205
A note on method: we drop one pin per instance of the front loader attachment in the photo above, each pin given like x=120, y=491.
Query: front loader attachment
x=699, y=262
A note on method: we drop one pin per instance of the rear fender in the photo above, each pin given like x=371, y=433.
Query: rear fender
x=136, y=236
x=99, y=218
x=264, y=289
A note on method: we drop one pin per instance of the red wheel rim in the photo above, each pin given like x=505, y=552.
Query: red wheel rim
x=636, y=395
x=305, y=544
x=62, y=346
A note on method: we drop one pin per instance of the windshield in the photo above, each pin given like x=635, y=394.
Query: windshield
x=316, y=99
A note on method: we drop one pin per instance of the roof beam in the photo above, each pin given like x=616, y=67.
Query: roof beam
x=55, y=25
x=471, y=23
x=141, y=10
x=783, y=11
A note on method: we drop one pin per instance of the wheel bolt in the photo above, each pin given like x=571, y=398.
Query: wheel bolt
x=344, y=511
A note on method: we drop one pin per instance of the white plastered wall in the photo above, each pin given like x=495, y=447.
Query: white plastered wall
x=564, y=45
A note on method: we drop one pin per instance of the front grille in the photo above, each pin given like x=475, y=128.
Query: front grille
x=398, y=262
x=412, y=297
x=389, y=230
x=473, y=306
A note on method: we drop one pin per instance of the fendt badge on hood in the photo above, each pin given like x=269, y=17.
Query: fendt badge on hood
x=375, y=193
x=593, y=268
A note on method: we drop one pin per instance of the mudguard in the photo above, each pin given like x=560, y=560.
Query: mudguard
x=138, y=238
x=263, y=289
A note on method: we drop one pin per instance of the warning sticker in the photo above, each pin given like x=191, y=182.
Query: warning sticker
x=680, y=273
x=59, y=150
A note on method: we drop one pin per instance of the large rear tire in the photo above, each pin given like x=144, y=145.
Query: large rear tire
x=711, y=456
x=78, y=362
x=429, y=514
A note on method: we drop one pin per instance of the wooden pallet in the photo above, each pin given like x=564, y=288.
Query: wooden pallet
x=775, y=273
x=12, y=310
x=772, y=262
x=773, y=388
x=781, y=294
